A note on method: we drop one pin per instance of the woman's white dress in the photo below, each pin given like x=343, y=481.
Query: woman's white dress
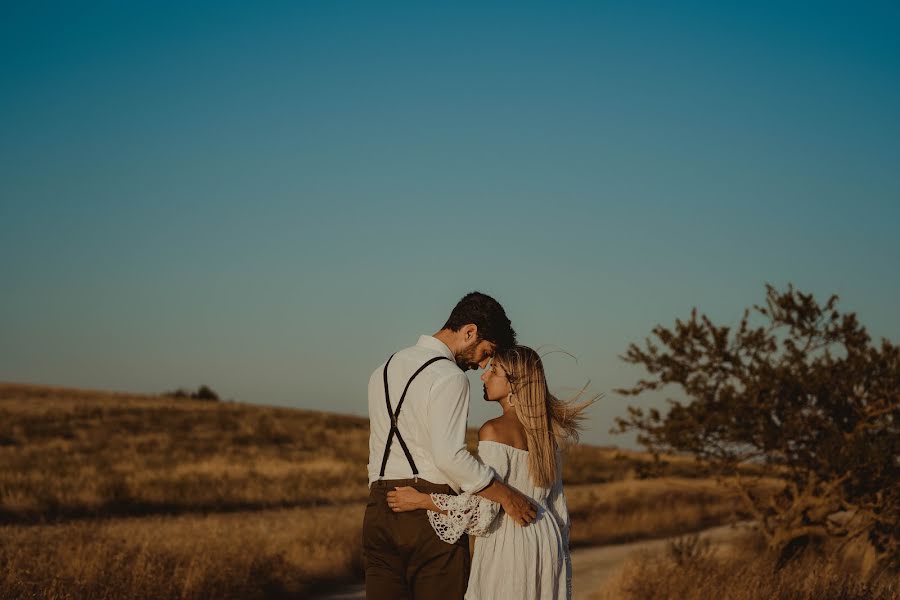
x=511, y=561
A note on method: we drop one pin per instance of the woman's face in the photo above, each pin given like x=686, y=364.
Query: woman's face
x=496, y=384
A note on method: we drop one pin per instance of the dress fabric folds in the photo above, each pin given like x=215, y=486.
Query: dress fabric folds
x=510, y=561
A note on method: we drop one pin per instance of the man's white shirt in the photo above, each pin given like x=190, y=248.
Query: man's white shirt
x=432, y=420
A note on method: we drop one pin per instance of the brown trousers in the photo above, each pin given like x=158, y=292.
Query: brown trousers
x=403, y=556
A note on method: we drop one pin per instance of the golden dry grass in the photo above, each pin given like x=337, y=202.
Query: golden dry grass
x=746, y=571
x=625, y=511
x=592, y=464
x=264, y=554
x=76, y=453
x=129, y=496
x=73, y=453
x=274, y=553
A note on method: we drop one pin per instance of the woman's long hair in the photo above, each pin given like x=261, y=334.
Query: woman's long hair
x=548, y=421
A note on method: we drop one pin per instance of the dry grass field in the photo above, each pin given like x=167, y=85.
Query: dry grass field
x=128, y=496
x=277, y=553
x=743, y=570
x=629, y=510
x=73, y=453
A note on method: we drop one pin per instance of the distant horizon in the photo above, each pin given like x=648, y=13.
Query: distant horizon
x=273, y=199
x=228, y=401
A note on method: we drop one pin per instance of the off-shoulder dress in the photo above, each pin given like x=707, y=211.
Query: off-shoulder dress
x=511, y=561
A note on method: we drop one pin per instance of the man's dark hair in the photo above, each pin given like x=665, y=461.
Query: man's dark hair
x=487, y=314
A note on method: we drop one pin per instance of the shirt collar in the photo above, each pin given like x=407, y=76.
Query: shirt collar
x=432, y=343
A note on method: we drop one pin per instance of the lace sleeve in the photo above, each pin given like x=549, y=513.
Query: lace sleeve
x=465, y=514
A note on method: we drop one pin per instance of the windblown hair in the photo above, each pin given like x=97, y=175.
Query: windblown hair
x=548, y=421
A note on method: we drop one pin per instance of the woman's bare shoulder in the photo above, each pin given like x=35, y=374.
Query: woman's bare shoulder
x=503, y=431
x=490, y=431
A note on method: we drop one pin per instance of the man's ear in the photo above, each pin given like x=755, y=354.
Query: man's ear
x=469, y=332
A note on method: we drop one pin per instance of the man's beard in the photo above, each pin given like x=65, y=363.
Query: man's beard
x=466, y=360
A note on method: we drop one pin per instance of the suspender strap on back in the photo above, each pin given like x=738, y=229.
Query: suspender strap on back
x=394, y=414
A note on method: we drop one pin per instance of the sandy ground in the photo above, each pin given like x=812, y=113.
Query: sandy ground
x=592, y=567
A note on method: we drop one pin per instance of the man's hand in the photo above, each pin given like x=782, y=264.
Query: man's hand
x=404, y=499
x=517, y=505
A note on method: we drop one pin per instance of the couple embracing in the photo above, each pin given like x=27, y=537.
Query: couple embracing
x=428, y=493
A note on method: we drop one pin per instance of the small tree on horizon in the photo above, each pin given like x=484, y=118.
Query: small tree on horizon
x=806, y=393
x=204, y=392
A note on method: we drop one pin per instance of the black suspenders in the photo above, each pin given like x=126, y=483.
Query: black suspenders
x=396, y=413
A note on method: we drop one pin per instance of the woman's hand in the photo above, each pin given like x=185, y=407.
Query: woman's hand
x=404, y=499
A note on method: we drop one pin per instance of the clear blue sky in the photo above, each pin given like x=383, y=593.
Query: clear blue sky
x=271, y=198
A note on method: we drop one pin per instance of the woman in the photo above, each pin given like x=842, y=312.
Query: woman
x=523, y=447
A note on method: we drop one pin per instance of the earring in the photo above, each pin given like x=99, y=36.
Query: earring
x=509, y=399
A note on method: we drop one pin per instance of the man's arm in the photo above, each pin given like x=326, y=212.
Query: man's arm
x=448, y=415
x=407, y=498
x=448, y=411
x=517, y=505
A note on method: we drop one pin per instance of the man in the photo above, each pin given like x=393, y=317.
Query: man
x=418, y=411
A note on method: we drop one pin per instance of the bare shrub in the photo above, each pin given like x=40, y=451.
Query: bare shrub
x=802, y=391
x=689, y=550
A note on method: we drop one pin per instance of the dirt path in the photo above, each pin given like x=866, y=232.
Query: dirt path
x=591, y=567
